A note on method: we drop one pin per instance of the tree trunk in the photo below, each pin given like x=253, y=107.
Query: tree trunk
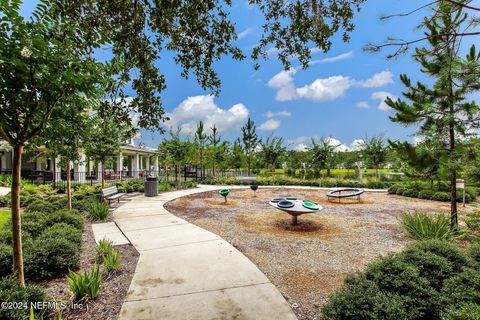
x=249, y=161
x=453, y=182
x=201, y=164
x=103, y=173
x=69, y=191
x=16, y=218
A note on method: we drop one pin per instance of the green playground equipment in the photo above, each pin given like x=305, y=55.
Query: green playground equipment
x=224, y=193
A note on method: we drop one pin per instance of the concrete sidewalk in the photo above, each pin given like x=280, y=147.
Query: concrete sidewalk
x=185, y=272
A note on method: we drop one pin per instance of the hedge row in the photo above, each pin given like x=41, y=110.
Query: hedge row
x=51, y=242
x=285, y=181
x=428, y=280
x=425, y=191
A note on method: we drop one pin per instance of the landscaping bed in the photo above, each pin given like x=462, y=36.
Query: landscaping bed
x=114, y=289
x=308, y=262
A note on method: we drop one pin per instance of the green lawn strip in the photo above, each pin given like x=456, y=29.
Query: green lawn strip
x=4, y=216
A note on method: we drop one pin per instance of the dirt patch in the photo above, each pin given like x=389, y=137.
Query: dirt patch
x=307, y=262
x=108, y=304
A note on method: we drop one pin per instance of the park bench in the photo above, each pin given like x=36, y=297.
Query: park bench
x=111, y=193
x=252, y=180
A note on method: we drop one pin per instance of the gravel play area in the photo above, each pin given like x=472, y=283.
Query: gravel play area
x=307, y=262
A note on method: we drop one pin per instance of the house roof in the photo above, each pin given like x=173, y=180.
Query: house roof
x=129, y=147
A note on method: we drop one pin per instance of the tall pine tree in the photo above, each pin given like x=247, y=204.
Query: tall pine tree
x=250, y=141
x=441, y=111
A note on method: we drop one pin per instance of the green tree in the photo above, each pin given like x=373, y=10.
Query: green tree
x=65, y=137
x=237, y=157
x=441, y=111
x=323, y=154
x=421, y=160
x=375, y=152
x=271, y=151
x=250, y=141
x=105, y=137
x=41, y=69
x=176, y=150
x=201, y=139
x=214, y=140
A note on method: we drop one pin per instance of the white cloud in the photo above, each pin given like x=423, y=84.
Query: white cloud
x=382, y=95
x=303, y=143
x=340, y=57
x=300, y=147
x=245, y=33
x=363, y=105
x=270, y=125
x=283, y=113
x=283, y=82
x=378, y=80
x=193, y=109
x=357, y=144
x=320, y=89
x=325, y=89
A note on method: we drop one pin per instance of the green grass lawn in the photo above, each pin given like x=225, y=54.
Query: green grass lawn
x=4, y=216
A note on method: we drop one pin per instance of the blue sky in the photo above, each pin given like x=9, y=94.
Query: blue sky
x=339, y=96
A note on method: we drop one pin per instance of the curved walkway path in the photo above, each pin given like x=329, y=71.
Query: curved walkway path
x=185, y=272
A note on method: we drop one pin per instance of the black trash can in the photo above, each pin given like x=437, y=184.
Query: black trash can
x=151, y=187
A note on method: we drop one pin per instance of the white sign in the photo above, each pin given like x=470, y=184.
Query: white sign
x=460, y=184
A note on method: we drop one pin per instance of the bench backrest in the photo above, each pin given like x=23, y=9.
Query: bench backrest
x=109, y=191
x=246, y=179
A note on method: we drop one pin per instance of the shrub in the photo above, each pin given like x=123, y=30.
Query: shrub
x=462, y=288
x=104, y=248
x=465, y=311
x=422, y=226
x=425, y=281
x=474, y=253
x=441, y=196
x=388, y=289
x=426, y=194
x=435, y=261
x=10, y=291
x=86, y=286
x=410, y=193
x=47, y=189
x=98, y=210
x=64, y=231
x=5, y=180
x=68, y=216
x=164, y=187
x=29, y=188
x=84, y=190
x=4, y=200
x=82, y=203
x=472, y=220
x=49, y=257
x=40, y=205
x=6, y=258
x=111, y=261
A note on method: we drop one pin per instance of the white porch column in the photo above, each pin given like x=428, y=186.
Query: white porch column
x=58, y=170
x=120, y=163
x=99, y=171
x=148, y=163
x=90, y=167
x=80, y=168
x=136, y=165
x=38, y=164
x=3, y=160
x=156, y=166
